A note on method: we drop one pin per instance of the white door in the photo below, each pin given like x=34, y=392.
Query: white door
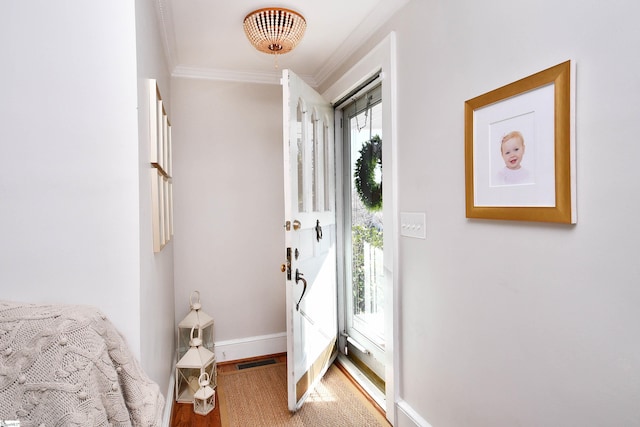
x=310, y=236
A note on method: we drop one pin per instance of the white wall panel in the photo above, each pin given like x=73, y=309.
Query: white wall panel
x=516, y=323
x=69, y=165
x=229, y=204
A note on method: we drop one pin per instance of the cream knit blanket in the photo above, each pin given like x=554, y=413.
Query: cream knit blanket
x=63, y=365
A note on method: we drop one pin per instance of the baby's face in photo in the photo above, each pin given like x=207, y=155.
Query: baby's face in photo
x=512, y=152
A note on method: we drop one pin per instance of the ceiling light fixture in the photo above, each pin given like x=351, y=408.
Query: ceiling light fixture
x=274, y=30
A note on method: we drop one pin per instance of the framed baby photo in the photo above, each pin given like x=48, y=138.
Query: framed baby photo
x=519, y=150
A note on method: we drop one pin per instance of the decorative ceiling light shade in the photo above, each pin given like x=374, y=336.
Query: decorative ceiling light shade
x=274, y=30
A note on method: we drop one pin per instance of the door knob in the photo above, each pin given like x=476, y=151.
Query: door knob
x=296, y=224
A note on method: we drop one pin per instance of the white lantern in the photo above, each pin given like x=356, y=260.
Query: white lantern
x=204, y=400
x=196, y=317
x=196, y=361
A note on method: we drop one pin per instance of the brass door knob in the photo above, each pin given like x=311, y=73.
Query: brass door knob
x=283, y=267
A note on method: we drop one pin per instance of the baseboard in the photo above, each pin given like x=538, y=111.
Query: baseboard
x=407, y=417
x=169, y=398
x=245, y=348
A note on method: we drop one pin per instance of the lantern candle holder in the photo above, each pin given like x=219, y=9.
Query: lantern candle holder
x=204, y=400
x=195, y=362
x=195, y=317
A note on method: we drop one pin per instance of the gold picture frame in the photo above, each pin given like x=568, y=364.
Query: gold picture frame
x=519, y=150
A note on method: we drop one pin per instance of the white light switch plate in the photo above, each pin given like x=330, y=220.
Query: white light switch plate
x=413, y=224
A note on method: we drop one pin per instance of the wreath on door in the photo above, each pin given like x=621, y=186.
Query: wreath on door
x=368, y=189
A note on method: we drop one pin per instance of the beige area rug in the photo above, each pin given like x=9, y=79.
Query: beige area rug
x=258, y=397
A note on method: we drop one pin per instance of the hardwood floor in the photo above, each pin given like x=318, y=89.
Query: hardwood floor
x=182, y=414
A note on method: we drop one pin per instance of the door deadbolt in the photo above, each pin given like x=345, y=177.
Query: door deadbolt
x=287, y=266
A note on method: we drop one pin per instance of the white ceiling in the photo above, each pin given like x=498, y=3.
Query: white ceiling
x=205, y=38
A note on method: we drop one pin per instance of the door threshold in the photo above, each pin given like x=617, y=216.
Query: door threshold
x=363, y=381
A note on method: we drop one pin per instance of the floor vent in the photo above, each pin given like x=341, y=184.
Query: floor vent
x=255, y=364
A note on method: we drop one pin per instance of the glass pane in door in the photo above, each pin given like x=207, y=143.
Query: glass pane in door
x=313, y=145
x=367, y=273
x=300, y=156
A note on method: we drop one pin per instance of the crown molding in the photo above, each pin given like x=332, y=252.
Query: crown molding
x=367, y=28
x=271, y=77
x=374, y=21
x=167, y=32
x=260, y=77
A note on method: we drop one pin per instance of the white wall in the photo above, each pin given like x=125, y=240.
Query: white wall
x=229, y=209
x=157, y=332
x=517, y=323
x=74, y=190
x=69, y=166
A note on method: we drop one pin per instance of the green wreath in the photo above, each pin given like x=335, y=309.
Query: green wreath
x=369, y=190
